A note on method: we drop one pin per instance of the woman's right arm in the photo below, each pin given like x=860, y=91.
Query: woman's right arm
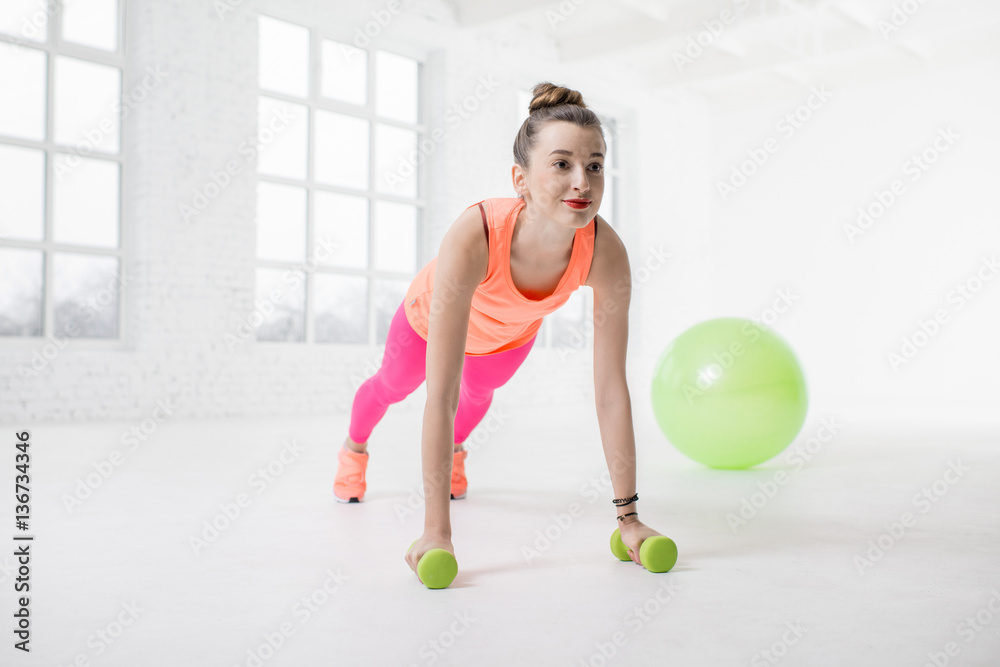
x=462, y=264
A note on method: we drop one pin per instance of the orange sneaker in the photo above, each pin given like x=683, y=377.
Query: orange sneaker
x=459, y=484
x=349, y=485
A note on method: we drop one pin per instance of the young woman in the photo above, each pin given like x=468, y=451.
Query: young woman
x=470, y=316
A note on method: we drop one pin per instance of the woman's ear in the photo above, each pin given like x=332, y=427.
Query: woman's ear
x=519, y=179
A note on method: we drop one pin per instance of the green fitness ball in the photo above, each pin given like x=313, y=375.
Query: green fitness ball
x=618, y=547
x=729, y=393
x=437, y=568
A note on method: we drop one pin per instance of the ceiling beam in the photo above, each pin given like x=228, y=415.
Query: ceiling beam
x=764, y=55
x=476, y=12
x=653, y=9
x=850, y=47
x=686, y=22
x=611, y=40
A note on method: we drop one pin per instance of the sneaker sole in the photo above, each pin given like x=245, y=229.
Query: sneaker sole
x=354, y=499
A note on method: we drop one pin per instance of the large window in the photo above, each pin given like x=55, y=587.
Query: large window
x=61, y=108
x=571, y=327
x=338, y=199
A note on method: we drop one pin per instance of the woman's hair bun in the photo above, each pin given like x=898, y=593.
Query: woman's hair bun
x=550, y=95
x=551, y=103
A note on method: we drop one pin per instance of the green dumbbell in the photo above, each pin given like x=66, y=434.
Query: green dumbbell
x=436, y=568
x=657, y=553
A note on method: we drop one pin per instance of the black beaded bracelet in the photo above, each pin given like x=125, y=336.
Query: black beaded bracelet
x=622, y=502
x=622, y=517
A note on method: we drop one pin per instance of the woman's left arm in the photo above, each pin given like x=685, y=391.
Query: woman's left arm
x=611, y=279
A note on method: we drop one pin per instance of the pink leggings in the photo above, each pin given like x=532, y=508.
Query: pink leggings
x=403, y=370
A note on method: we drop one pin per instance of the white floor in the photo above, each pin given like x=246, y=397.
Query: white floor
x=116, y=581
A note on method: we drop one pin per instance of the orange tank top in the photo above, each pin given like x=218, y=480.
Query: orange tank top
x=501, y=317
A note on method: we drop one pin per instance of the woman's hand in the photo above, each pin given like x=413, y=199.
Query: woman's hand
x=634, y=533
x=427, y=542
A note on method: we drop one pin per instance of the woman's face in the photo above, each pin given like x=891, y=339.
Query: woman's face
x=564, y=181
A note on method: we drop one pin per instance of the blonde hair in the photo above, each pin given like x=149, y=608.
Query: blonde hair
x=551, y=103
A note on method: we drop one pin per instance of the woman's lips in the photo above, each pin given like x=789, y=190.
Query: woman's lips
x=577, y=203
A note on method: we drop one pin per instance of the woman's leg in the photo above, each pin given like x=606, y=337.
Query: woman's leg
x=480, y=376
x=402, y=371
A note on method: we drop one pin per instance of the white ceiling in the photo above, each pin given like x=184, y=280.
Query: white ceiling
x=773, y=44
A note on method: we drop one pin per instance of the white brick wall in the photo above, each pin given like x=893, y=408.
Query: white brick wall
x=191, y=283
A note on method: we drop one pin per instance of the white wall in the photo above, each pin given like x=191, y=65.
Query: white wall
x=784, y=230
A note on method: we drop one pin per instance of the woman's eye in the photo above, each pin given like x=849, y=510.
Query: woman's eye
x=597, y=167
x=560, y=164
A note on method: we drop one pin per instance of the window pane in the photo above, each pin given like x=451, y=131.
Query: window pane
x=396, y=93
x=22, y=191
x=85, y=97
x=341, y=150
x=567, y=323
x=610, y=137
x=608, y=200
x=281, y=300
x=396, y=160
x=389, y=295
x=395, y=237
x=345, y=73
x=92, y=23
x=85, y=293
x=341, y=304
x=281, y=222
x=25, y=19
x=283, y=130
x=284, y=57
x=85, y=201
x=523, y=101
x=20, y=292
x=341, y=222
x=22, y=92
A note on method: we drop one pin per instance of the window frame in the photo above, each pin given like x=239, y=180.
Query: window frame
x=313, y=102
x=53, y=47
